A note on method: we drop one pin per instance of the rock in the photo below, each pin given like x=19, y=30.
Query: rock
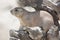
x=23, y=35
x=32, y=3
x=36, y=33
x=53, y=33
x=13, y=38
x=19, y=35
x=29, y=33
x=13, y=33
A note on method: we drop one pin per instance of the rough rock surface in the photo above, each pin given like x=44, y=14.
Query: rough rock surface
x=27, y=34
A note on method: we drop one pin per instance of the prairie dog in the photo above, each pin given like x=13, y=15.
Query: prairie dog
x=27, y=18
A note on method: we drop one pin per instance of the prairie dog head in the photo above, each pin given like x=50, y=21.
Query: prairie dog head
x=28, y=18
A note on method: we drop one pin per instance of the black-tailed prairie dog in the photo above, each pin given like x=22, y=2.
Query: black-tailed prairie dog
x=32, y=19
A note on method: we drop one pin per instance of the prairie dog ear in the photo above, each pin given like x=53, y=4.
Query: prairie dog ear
x=29, y=9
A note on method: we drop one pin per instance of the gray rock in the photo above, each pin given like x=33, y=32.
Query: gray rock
x=35, y=33
x=13, y=33
x=20, y=35
x=13, y=38
x=32, y=3
x=53, y=33
x=24, y=35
